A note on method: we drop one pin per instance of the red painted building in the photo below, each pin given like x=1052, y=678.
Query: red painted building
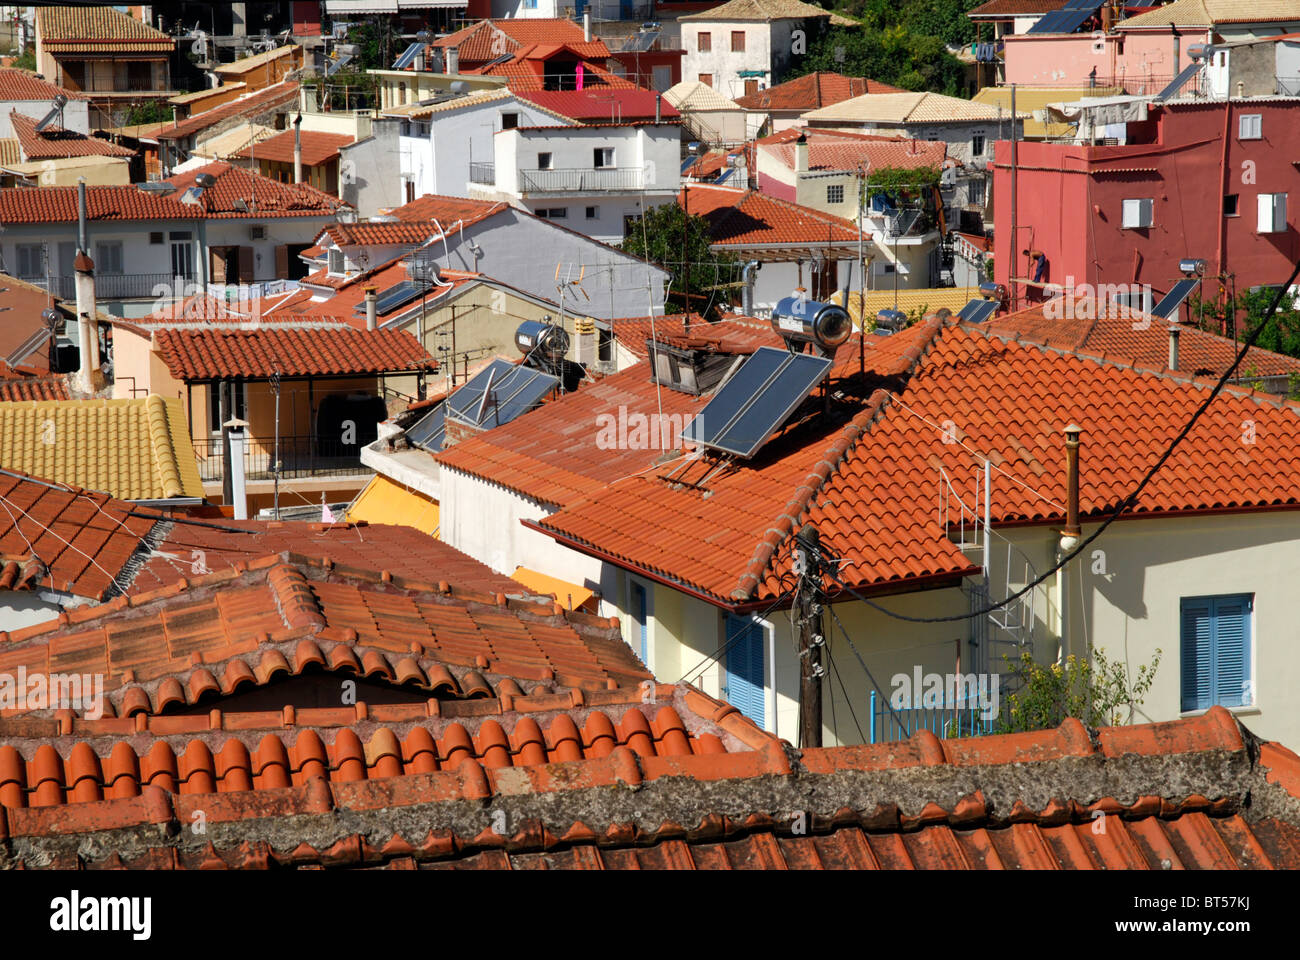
x=1217, y=181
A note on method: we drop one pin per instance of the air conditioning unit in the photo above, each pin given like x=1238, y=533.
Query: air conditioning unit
x=257, y=232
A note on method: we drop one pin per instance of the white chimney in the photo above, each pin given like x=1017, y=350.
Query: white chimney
x=1174, y=331
x=89, y=377
x=238, y=487
x=371, y=301
x=453, y=60
x=297, y=149
x=801, y=154
x=586, y=25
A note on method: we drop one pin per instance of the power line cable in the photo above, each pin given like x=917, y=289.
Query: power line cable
x=1124, y=505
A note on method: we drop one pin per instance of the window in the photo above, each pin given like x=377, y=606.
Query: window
x=703, y=42
x=336, y=261
x=543, y=161
x=1272, y=213
x=108, y=257
x=226, y=399
x=751, y=87
x=975, y=192
x=1250, y=126
x=593, y=213
x=1232, y=205
x=835, y=193
x=706, y=79
x=602, y=157
x=509, y=121
x=553, y=213
x=737, y=41
x=977, y=145
x=31, y=261
x=639, y=607
x=1216, y=651
x=156, y=237
x=1138, y=214
x=743, y=685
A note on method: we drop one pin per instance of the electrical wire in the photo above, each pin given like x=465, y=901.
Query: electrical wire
x=847, y=699
x=726, y=644
x=1124, y=504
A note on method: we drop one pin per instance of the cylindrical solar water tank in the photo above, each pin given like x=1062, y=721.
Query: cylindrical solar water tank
x=993, y=291
x=890, y=321
x=812, y=321
x=543, y=340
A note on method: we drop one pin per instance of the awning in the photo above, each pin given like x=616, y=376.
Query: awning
x=569, y=595
x=384, y=501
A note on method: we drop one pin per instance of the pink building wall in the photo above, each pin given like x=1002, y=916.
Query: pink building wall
x=1138, y=59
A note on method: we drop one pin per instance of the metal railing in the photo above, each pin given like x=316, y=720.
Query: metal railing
x=483, y=173
x=115, y=286
x=577, y=179
x=886, y=723
x=299, y=457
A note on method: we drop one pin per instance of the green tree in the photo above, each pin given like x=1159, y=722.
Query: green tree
x=1281, y=332
x=1099, y=692
x=892, y=55
x=151, y=111
x=658, y=237
x=26, y=61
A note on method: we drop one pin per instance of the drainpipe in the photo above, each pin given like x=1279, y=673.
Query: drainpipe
x=371, y=301
x=81, y=214
x=1069, y=538
x=659, y=108
x=1174, y=330
x=1178, y=53
x=297, y=149
x=747, y=288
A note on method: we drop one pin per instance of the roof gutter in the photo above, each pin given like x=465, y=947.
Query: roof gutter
x=929, y=582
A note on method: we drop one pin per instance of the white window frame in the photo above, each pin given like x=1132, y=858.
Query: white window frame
x=104, y=258
x=19, y=257
x=979, y=142
x=336, y=262
x=603, y=158
x=1271, y=209
x=1138, y=213
x=1250, y=126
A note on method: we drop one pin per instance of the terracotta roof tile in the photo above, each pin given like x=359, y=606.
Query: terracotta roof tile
x=740, y=218
x=447, y=210
x=294, y=350
x=241, y=193
x=734, y=334
x=599, y=104
x=412, y=232
x=34, y=388
x=73, y=29
x=317, y=147
x=54, y=142
x=489, y=39
x=132, y=449
x=16, y=84
x=282, y=94
x=813, y=90
x=59, y=205
x=1012, y=8
x=883, y=450
x=838, y=154
x=696, y=787
x=764, y=10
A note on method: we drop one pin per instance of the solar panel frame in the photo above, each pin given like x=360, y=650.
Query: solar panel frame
x=758, y=398
x=1172, y=300
x=515, y=391
x=428, y=431
x=1177, y=84
x=978, y=311
x=1068, y=18
x=408, y=56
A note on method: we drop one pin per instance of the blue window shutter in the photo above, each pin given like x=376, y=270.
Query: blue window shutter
x=1197, y=653
x=1231, y=650
x=744, y=672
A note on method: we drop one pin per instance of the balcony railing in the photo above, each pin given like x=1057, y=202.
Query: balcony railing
x=576, y=180
x=485, y=173
x=299, y=457
x=884, y=723
x=117, y=286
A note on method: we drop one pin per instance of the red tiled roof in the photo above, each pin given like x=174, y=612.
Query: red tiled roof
x=600, y=104
x=33, y=388
x=546, y=455
x=682, y=782
x=261, y=196
x=16, y=84
x=268, y=98
x=528, y=75
x=411, y=232
x=295, y=351
x=1142, y=338
x=813, y=90
x=741, y=218
x=55, y=142
x=289, y=614
x=736, y=334
x=63, y=538
x=403, y=551
x=24, y=337
x=317, y=147
x=59, y=205
x=77, y=28
x=838, y=154
x=1014, y=8
x=489, y=39
x=448, y=210
x=879, y=457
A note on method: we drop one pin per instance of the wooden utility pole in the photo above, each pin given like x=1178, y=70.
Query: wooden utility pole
x=809, y=606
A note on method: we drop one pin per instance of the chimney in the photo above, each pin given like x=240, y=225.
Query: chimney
x=586, y=25
x=238, y=489
x=297, y=149
x=81, y=214
x=418, y=64
x=801, y=154
x=453, y=60
x=1174, y=331
x=371, y=300
x=585, y=348
x=1072, y=433
x=747, y=288
x=659, y=107
x=89, y=377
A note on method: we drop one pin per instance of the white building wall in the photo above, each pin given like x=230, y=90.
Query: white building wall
x=725, y=66
x=75, y=114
